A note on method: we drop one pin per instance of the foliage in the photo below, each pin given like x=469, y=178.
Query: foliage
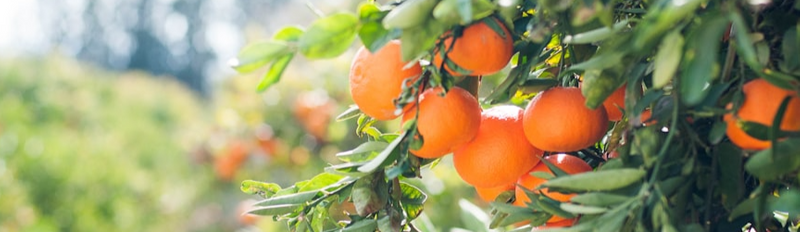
x=81, y=151
x=675, y=173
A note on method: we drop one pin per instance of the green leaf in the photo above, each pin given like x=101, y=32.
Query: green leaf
x=257, y=55
x=261, y=188
x=294, y=198
x=649, y=97
x=409, y=14
x=582, y=209
x=351, y=112
x=275, y=72
x=320, y=181
x=596, y=35
x=769, y=165
x=274, y=209
x=537, y=85
x=542, y=175
x=289, y=34
x=329, y=37
x=385, y=157
x=557, y=172
x=744, y=45
x=599, y=199
x=417, y=41
x=364, y=225
x=730, y=182
x=370, y=193
x=790, y=49
x=599, y=180
x=667, y=59
x=374, y=36
x=599, y=62
x=550, y=206
x=717, y=132
x=473, y=217
x=363, y=152
x=412, y=199
x=701, y=59
x=788, y=201
x=390, y=220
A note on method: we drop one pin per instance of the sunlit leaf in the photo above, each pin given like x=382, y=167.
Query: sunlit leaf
x=275, y=72
x=329, y=37
x=769, y=165
x=412, y=199
x=257, y=55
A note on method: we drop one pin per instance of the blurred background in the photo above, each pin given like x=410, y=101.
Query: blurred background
x=124, y=116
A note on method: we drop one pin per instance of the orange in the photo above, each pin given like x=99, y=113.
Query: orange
x=377, y=79
x=761, y=103
x=569, y=164
x=491, y=193
x=314, y=110
x=445, y=122
x=499, y=153
x=227, y=164
x=558, y=120
x=479, y=49
x=614, y=103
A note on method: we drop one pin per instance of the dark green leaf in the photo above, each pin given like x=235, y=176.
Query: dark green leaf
x=329, y=37
x=790, y=49
x=599, y=180
x=717, y=132
x=413, y=200
x=257, y=55
x=370, y=193
x=275, y=72
x=538, y=85
x=649, y=97
x=788, y=201
x=557, y=172
x=730, y=173
x=599, y=199
x=701, y=59
x=768, y=166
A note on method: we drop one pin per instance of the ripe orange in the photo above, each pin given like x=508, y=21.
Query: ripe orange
x=227, y=164
x=490, y=193
x=558, y=120
x=761, y=103
x=377, y=79
x=479, y=49
x=313, y=110
x=499, y=153
x=614, y=103
x=445, y=122
x=569, y=164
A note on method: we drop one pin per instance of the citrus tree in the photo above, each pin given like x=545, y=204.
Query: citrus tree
x=608, y=116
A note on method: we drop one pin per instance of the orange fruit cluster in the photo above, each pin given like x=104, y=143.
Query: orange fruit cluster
x=761, y=103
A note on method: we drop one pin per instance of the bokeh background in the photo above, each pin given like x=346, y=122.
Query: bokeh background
x=123, y=115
